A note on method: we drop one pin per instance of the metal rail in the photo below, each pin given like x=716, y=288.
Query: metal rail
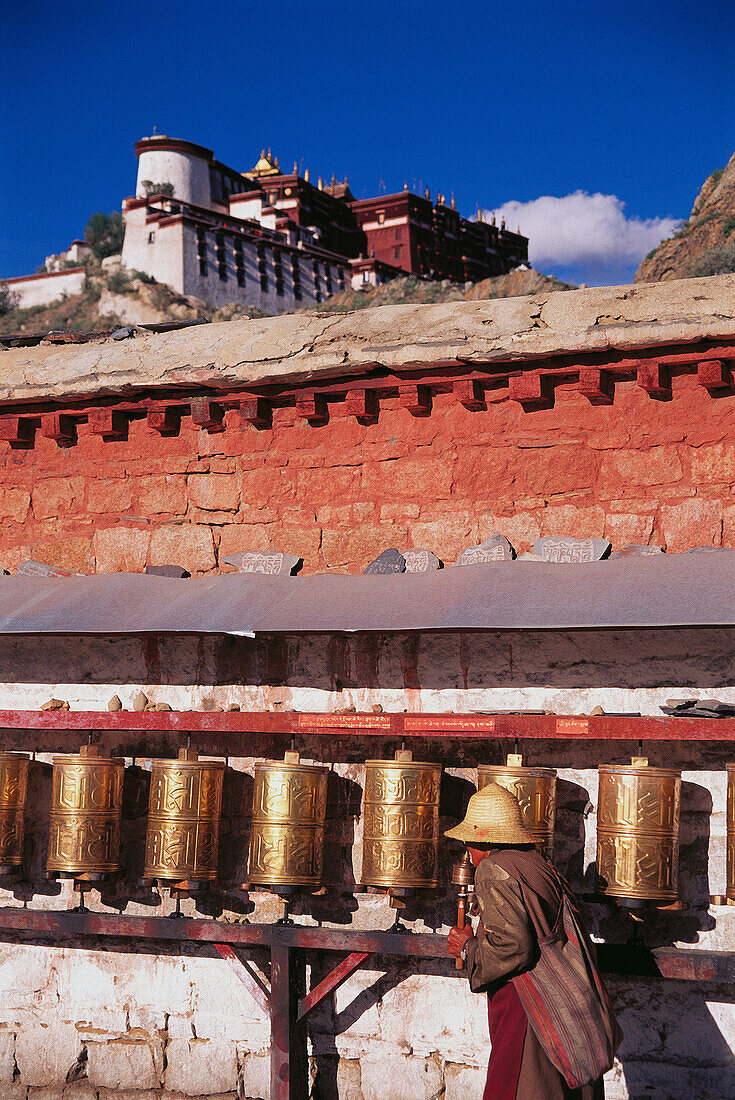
x=425, y=726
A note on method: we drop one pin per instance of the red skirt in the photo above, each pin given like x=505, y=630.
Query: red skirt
x=507, y=1022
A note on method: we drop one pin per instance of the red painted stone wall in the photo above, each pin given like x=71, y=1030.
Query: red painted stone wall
x=640, y=470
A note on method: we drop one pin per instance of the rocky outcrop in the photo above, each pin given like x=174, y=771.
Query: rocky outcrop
x=705, y=244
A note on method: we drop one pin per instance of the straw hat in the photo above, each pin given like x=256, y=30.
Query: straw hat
x=493, y=817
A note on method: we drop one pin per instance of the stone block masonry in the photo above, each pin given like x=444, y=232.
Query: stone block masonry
x=337, y=495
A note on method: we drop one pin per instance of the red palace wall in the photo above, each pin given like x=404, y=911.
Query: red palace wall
x=640, y=470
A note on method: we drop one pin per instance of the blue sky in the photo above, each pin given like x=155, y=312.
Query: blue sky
x=616, y=110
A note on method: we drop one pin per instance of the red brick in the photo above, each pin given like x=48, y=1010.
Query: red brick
x=315, y=487
x=72, y=552
x=482, y=472
x=624, y=527
x=714, y=465
x=110, y=495
x=655, y=466
x=693, y=523
x=357, y=547
x=427, y=476
x=121, y=549
x=266, y=486
x=521, y=529
x=214, y=492
x=57, y=496
x=579, y=521
x=557, y=469
x=446, y=536
x=183, y=544
x=14, y=504
x=241, y=538
x=162, y=495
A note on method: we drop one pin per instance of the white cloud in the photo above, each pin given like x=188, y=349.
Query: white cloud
x=588, y=233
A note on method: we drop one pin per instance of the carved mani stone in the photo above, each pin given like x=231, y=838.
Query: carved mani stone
x=271, y=563
x=563, y=549
x=390, y=561
x=420, y=561
x=167, y=571
x=32, y=568
x=496, y=548
x=636, y=550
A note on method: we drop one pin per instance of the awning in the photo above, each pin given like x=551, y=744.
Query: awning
x=693, y=589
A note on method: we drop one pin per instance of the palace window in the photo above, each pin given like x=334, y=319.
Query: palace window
x=381, y=217
x=151, y=238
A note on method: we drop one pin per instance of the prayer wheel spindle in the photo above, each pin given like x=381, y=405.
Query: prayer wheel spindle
x=638, y=833
x=401, y=825
x=287, y=837
x=184, y=808
x=463, y=876
x=13, y=790
x=86, y=806
x=730, y=896
x=535, y=789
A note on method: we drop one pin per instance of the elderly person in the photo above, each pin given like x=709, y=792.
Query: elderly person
x=519, y=896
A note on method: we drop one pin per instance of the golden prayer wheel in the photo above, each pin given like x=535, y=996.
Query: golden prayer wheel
x=184, y=807
x=638, y=832
x=13, y=789
x=535, y=789
x=287, y=837
x=401, y=823
x=86, y=804
x=730, y=834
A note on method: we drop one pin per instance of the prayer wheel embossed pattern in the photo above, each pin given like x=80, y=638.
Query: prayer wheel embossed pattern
x=13, y=789
x=287, y=838
x=401, y=823
x=535, y=789
x=86, y=805
x=184, y=808
x=731, y=833
x=638, y=831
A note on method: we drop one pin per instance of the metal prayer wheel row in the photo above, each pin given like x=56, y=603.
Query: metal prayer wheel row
x=637, y=821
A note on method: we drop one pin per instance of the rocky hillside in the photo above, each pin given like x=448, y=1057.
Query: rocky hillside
x=113, y=297
x=705, y=244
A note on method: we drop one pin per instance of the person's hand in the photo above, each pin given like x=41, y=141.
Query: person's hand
x=457, y=938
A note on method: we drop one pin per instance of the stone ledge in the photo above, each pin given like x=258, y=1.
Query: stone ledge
x=306, y=346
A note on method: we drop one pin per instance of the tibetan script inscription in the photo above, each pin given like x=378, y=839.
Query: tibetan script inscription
x=571, y=550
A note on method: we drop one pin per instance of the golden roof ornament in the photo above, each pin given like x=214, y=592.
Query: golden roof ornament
x=266, y=166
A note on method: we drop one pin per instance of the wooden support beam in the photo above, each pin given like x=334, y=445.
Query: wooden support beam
x=417, y=399
x=248, y=975
x=596, y=385
x=312, y=407
x=256, y=411
x=362, y=404
x=18, y=431
x=533, y=390
x=59, y=426
x=332, y=981
x=289, y=1063
x=109, y=423
x=714, y=374
x=654, y=377
x=470, y=393
x=166, y=421
x=208, y=415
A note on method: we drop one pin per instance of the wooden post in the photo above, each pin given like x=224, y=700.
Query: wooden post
x=289, y=1063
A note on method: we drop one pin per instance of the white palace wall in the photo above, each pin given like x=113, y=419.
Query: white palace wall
x=128, y=1025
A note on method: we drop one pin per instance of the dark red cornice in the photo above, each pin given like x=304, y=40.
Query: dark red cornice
x=175, y=145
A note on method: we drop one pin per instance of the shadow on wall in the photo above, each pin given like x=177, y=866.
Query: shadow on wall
x=624, y=659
